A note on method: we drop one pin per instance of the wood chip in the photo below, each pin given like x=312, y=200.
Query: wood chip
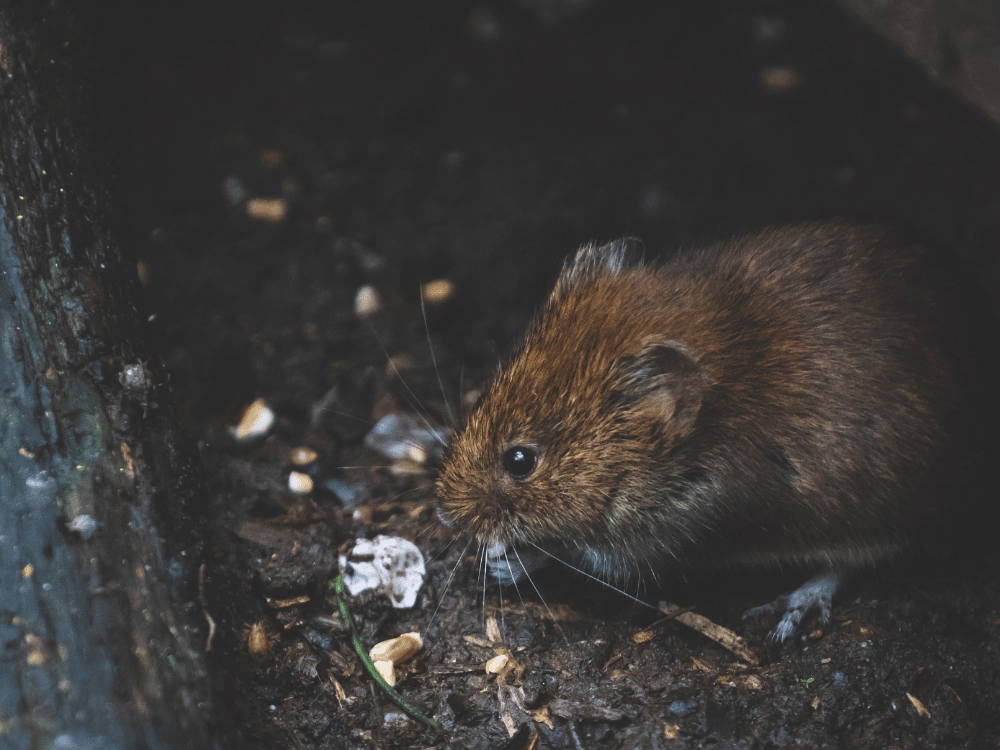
x=642, y=636
x=921, y=708
x=257, y=640
x=284, y=603
x=723, y=636
x=338, y=690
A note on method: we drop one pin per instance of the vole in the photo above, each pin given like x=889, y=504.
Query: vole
x=789, y=397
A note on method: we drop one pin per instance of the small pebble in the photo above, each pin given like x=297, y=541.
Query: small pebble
x=779, y=78
x=303, y=456
x=367, y=302
x=83, y=525
x=299, y=482
x=271, y=210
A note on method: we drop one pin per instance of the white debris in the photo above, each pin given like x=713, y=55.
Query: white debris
x=84, y=525
x=403, y=437
x=388, y=564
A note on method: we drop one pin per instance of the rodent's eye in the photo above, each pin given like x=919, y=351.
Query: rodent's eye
x=520, y=460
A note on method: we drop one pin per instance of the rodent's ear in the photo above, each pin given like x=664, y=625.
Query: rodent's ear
x=665, y=381
x=612, y=257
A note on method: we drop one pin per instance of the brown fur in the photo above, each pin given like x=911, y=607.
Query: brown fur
x=788, y=396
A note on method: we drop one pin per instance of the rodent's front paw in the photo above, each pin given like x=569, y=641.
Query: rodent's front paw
x=815, y=594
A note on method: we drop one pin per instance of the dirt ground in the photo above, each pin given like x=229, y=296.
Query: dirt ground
x=481, y=144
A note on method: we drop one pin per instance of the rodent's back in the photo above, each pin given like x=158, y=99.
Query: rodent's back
x=787, y=396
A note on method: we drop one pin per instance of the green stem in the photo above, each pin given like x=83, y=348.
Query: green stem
x=340, y=588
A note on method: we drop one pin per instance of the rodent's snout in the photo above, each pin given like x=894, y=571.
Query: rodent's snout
x=510, y=564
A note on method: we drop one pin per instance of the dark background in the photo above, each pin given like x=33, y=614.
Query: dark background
x=483, y=143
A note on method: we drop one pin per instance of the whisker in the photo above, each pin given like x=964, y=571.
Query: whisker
x=369, y=423
x=503, y=624
x=461, y=386
x=513, y=580
x=540, y=597
x=414, y=401
x=437, y=372
x=447, y=584
x=595, y=578
x=349, y=416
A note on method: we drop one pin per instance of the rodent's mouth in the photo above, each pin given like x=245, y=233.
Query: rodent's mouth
x=445, y=518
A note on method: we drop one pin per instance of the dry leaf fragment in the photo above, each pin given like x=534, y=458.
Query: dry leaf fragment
x=283, y=603
x=700, y=665
x=493, y=629
x=338, y=690
x=542, y=716
x=126, y=450
x=257, y=640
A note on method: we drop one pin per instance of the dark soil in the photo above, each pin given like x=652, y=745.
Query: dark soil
x=411, y=143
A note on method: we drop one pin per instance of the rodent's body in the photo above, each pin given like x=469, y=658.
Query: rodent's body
x=790, y=396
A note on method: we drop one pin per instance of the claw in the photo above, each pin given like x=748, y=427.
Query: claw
x=815, y=594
